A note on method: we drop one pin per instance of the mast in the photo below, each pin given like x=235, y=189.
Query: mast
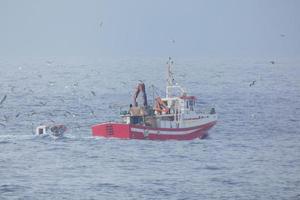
x=171, y=84
x=170, y=78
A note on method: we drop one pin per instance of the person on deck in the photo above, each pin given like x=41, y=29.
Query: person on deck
x=129, y=111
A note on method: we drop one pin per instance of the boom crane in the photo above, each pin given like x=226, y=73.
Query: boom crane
x=140, y=88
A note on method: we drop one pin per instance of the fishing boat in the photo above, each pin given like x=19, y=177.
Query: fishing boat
x=51, y=130
x=174, y=117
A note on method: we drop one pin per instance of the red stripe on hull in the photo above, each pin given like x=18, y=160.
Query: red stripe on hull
x=124, y=131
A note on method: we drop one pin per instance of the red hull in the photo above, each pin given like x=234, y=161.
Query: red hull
x=128, y=131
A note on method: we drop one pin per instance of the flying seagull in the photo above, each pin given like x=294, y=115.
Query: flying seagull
x=251, y=84
x=101, y=24
x=93, y=93
x=3, y=99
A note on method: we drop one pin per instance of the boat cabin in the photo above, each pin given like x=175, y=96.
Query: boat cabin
x=175, y=110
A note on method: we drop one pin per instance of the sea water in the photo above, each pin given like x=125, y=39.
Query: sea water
x=252, y=153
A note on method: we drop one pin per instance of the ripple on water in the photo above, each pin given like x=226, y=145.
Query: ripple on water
x=252, y=153
x=11, y=188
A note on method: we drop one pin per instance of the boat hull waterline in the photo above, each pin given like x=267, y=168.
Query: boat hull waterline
x=129, y=131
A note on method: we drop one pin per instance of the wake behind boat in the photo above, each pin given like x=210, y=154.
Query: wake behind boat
x=173, y=117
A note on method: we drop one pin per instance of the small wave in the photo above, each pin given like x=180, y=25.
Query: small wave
x=229, y=182
x=10, y=138
x=106, y=186
x=5, y=142
x=212, y=167
x=6, y=188
x=93, y=157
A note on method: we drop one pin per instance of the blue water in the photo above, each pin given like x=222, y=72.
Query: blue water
x=252, y=153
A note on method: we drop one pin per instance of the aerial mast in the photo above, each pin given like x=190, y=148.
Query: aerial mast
x=170, y=78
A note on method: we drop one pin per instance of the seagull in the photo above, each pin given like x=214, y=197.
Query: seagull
x=32, y=113
x=251, y=84
x=272, y=62
x=93, y=93
x=49, y=62
x=101, y=24
x=6, y=118
x=43, y=103
x=3, y=125
x=12, y=88
x=91, y=110
x=282, y=35
x=3, y=99
x=77, y=126
x=51, y=83
x=68, y=112
x=124, y=83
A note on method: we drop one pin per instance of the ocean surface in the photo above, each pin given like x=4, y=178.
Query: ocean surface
x=252, y=153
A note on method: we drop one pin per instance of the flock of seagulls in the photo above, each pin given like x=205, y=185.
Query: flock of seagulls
x=53, y=113
x=66, y=112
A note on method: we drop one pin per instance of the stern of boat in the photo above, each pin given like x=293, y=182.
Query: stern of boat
x=112, y=129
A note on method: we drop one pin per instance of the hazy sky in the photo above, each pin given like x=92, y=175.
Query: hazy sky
x=251, y=28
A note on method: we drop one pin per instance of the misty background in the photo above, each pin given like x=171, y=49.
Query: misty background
x=77, y=63
x=192, y=28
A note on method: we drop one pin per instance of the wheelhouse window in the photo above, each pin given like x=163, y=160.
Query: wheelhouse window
x=191, y=104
